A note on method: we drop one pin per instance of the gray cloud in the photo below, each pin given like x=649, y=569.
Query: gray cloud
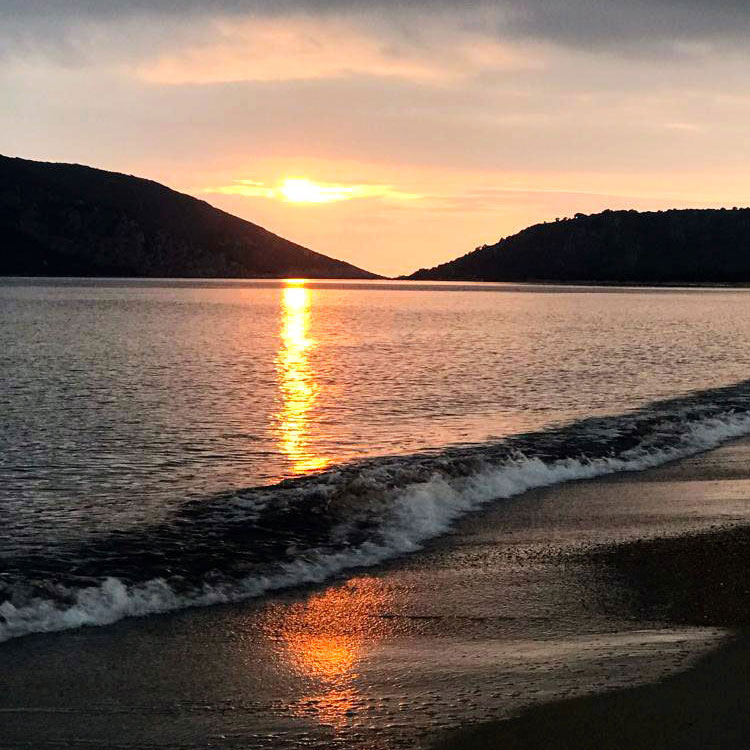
x=636, y=23
x=579, y=23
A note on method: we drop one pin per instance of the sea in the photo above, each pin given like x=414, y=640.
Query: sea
x=176, y=443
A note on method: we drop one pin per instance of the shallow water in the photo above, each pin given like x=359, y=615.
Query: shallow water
x=137, y=416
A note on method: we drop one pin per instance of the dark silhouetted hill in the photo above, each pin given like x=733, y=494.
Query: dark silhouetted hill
x=666, y=247
x=71, y=220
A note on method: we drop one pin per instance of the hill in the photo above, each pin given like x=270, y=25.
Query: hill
x=666, y=247
x=72, y=220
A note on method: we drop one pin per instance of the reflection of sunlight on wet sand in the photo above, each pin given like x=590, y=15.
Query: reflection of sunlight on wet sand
x=297, y=383
x=324, y=638
x=325, y=656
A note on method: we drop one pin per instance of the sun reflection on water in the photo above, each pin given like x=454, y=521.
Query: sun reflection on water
x=297, y=383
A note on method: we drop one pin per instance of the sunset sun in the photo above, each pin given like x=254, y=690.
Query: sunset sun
x=300, y=190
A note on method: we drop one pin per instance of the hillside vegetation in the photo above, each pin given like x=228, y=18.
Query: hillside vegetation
x=690, y=246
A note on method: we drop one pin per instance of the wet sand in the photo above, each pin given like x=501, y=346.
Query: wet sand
x=705, y=707
x=696, y=579
x=544, y=597
x=699, y=578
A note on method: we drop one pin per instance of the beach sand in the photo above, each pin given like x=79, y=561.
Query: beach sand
x=705, y=707
x=700, y=578
x=564, y=592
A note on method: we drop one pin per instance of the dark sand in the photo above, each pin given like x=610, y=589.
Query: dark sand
x=697, y=579
x=706, y=707
x=522, y=606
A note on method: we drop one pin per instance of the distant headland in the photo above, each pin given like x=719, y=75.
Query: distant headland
x=679, y=246
x=72, y=220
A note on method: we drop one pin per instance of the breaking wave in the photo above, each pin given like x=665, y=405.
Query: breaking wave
x=240, y=545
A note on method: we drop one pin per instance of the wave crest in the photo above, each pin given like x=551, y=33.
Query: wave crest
x=307, y=530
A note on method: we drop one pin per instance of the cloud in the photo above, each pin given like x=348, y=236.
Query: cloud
x=63, y=31
x=287, y=49
x=208, y=44
x=634, y=23
x=302, y=190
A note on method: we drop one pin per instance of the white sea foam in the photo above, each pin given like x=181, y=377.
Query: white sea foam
x=411, y=515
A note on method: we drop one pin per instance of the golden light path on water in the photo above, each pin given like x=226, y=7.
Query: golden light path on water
x=321, y=638
x=297, y=384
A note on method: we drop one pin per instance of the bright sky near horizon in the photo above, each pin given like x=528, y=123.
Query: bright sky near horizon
x=389, y=134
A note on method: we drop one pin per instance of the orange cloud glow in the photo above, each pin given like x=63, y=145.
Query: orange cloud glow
x=303, y=48
x=302, y=190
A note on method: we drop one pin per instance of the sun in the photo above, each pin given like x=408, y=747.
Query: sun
x=300, y=190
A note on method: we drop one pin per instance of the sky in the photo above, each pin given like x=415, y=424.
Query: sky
x=392, y=134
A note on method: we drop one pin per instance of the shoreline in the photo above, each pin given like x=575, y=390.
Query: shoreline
x=608, y=284
x=698, y=579
x=513, y=608
x=563, y=284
